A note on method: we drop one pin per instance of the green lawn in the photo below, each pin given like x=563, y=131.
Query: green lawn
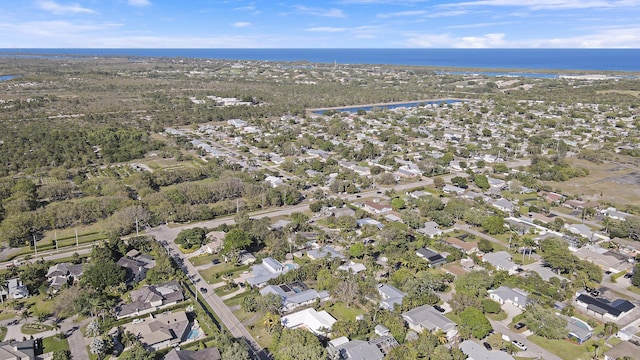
x=204, y=259
x=3, y=333
x=498, y=317
x=212, y=275
x=340, y=311
x=31, y=329
x=7, y=315
x=52, y=344
x=564, y=348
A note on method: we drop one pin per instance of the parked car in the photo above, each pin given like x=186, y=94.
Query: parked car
x=487, y=346
x=204, y=290
x=439, y=308
x=518, y=326
x=520, y=345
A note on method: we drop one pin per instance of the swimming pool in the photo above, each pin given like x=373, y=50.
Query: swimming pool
x=193, y=334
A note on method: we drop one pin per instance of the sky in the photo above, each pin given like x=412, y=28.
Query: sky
x=320, y=24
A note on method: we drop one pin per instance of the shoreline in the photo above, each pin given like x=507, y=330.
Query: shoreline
x=386, y=104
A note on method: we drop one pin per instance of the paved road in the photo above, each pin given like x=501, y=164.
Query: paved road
x=533, y=350
x=166, y=236
x=467, y=228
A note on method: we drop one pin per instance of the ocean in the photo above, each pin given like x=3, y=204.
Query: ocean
x=617, y=60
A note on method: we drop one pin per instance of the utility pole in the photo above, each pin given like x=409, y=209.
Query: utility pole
x=55, y=237
x=35, y=244
x=76, y=238
x=137, y=227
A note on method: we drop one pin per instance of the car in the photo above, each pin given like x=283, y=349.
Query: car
x=519, y=345
x=487, y=346
x=595, y=293
x=518, y=326
x=204, y=290
x=439, y=308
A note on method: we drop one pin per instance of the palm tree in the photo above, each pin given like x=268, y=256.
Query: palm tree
x=270, y=321
x=128, y=338
x=442, y=337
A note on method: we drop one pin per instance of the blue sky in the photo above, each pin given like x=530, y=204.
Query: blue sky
x=320, y=24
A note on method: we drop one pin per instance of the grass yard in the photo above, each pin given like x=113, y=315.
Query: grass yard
x=31, y=329
x=213, y=274
x=564, y=348
x=52, y=344
x=204, y=259
x=3, y=333
x=340, y=311
x=6, y=315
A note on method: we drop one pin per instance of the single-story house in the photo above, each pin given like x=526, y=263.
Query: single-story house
x=464, y=246
x=505, y=294
x=205, y=354
x=323, y=252
x=621, y=350
x=475, y=351
x=427, y=318
x=343, y=349
x=160, y=331
x=503, y=204
x=501, y=260
x=295, y=295
x=18, y=350
x=614, y=310
x=270, y=268
x=370, y=221
x=390, y=296
x=136, y=265
x=578, y=330
x=452, y=189
x=376, y=207
x=15, y=289
x=430, y=229
x=432, y=257
x=352, y=267
x=151, y=298
x=318, y=322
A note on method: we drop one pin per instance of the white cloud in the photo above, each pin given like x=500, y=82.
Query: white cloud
x=622, y=37
x=548, y=4
x=327, y=29
x=60, y=9
x=337, y=13
x=241, y=24
x=479, y=25
x=403, y=13
x=139, y=3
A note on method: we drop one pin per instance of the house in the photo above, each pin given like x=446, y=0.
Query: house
x=501, y=260
x=418, y=194
x=370, y=221
x=20, y=350
x=503, y=204
x=464, y=246
x=433, y=258
x=270, y=268
x=605, y=259
x=613, y=311
x=581, y=230
x=496, y=183
x=352, y=267
x=204, y=354
x=505, y=294
x=326, y=251
x=151, y=298
x=376, y=207
x=274, y=181
x=343, y=349
x=214, y=244
x=578, y=330
x=621, y=350
x=430, y=229
x=295, y=295
x=63, y=274
x=344, y=211
x=15, y=289
x=475, y=351
x=390, y=296
x=237, y=123
x=160, y=331
x=551, y=197
x=452, y=189
x=427, y=318
x=136, y=265
x=318, y=322
x=615, y=214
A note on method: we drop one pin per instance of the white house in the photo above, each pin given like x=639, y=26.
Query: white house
x=270, y=268
x=318, y=322
x=505, y=294
x=501, y=260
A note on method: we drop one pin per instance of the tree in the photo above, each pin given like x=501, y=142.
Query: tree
x=481, y=181
x=298, y=344
x=460, y=181
x=190, y=238
x=490, y=306
x=93, y=328
x=544, y=322
x=474, y=322
x=386, y=179
x=234, y=241
x=635, y=278
x=137, y=352
x=494, y=225
x=611, y=328
x=98, y=346
x=102, y=275
x=62, y=355
x=356, y=250
x=485, y=245
x=438, y=183
x=397, y=204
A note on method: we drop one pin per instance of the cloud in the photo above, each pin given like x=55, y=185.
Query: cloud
x=59, y=9
x=548, y=4
x=479, y=25
x=336, y=13
x=327, y=29
x=241, y=24
x=616, y=38
x=139, y=3
x=403, y=13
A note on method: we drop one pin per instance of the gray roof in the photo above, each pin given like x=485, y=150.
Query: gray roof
x=476, y=351
x=516, y=296
x=325, y=251
x=360, y=350
x=204, y=354
x=390, y=296
x=429, y=318
x=578, y=329
x=500, y=259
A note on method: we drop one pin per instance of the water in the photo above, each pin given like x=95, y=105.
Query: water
x=193, y=334
x=7, y=77
x=625, y=60
x=354, y=109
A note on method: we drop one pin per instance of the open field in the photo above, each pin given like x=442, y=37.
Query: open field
x=610, y=182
